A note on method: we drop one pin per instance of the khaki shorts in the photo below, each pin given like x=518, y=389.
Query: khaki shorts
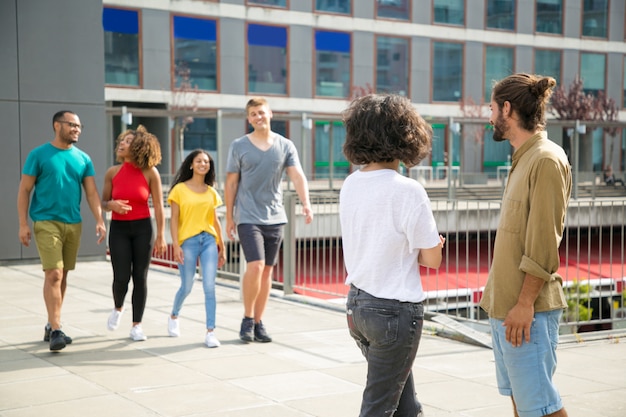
x=57, y=243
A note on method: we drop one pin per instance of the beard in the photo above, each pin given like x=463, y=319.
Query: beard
x=499, y=129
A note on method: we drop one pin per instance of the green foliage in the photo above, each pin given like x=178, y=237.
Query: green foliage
x=577, y=296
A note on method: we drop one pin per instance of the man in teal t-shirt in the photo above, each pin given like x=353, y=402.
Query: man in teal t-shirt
x=56, y=171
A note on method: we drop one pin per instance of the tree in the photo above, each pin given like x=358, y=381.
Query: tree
x=184, y=105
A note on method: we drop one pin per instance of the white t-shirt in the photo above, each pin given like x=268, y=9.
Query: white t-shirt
x=385, y=220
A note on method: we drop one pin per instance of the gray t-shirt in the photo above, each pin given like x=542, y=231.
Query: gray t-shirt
x=259, y=197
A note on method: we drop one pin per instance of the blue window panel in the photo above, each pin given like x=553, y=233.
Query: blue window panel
x=190, y=28
x=267, y=36
x=332, y=41
x=120, y=21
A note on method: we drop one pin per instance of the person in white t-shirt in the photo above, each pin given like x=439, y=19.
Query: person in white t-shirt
x=388, y=231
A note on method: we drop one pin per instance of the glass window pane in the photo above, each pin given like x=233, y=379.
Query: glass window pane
x=195, y=48
x=392, y=65
x=332, y=64
x=498, y=64
x=447, y=71
x=121, y=46
x=592, y=70
x=341, y=167
x=550, y=16
x=624, y=76
x=201, y=134
x=393, y=9
x=451, y=12
x=277, y=3
x=495, y=153
x=595, y=17
x=548, y=63
x=267, y=59
x=278, y=126
x=501, y=14
x=333, y=6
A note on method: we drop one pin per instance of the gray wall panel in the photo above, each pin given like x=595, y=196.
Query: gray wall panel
x=232, y=56
x=301, y=61
x=475, y=14
x=156, y=50
x=474, y=76
x=524, y=56
x=8, y=46
x=421, y=67
x=525, y=19
x=10, y=169
x=572, y=25
x=363, y=47
x=571, y=66
x=61, y=50
x=363, y=9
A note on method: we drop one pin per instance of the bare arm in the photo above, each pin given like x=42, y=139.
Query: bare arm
x=91, y=192
x=174, y=218
x=431, y=258
x=118, y=206
x=27, y=182
x=302, y=188
x=520, y=317
x=156, y=190
x=221, y=260
x=230, y=191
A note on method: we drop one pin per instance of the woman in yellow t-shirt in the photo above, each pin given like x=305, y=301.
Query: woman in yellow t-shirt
x=196, y=234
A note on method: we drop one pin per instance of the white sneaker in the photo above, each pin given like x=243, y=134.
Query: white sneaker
x=136, y=333
x=114, y=319
x=211, y=340
x=173, y=327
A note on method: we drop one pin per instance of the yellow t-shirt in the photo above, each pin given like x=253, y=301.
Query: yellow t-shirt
x=197, y=211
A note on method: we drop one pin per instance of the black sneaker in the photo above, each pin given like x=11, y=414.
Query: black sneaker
x=46, y=335
x=246, y=333
x=260, y=335
x=57, y=340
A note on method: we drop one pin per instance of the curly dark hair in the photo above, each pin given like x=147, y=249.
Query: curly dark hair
x=185, y=171
x=528, y=94
x=145, y=150
x=385, y=128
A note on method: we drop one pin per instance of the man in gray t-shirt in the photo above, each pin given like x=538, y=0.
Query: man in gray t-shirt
x=254, y=203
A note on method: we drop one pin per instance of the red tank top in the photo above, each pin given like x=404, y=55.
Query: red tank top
x=130, y=184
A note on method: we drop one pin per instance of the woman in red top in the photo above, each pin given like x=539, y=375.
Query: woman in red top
x=127, y=188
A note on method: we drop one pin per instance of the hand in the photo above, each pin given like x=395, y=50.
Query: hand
x=24, y=235
x=120, y=206
x=160, y=245
x=178, y=255
x=517, y=323
x=101, y=232
x=230, y=229
x=442, y=240
x=308, y=214
x=221, y=258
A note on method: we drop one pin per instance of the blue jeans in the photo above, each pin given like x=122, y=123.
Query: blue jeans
x=388, y=333
x=203, y=247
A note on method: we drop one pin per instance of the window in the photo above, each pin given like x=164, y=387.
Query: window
x=278, y=126
x=495, y=154
x=440, y=150
x=498, y=64
x=501, y=14
x=332, y=64
x=121, y=46
x=333, y=6
x=595, y=18
x=195, y=48
x=201, y=134
x=393, y=9
x=592, y=72
x=267, y=59
x=549, y=16
x=450, y=12
x=392, y=65
x=447, y=71
x=275, y=3
x=548, y=62
x=329, y=140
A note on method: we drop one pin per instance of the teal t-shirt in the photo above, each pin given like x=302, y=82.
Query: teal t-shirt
x=58, y=186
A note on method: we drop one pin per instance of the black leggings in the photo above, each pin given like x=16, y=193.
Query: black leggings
x=130, y=245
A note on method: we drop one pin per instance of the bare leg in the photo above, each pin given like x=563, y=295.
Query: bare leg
x=252, y=286
x=55, y=282
x=560, y=413
x=264, y=293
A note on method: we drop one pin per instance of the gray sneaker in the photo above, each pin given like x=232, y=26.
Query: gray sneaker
x=46, y=335
x=246, y=334
x=260, y=334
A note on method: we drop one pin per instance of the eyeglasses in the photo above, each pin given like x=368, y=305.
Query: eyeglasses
x=72, y=125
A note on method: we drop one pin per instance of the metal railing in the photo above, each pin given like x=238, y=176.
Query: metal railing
x=592, y=258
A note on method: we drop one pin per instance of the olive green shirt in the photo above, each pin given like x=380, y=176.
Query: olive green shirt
x=532, y=218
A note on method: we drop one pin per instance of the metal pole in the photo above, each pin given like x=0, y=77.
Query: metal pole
x=218, y=144
x=450, y=144
x=289, y=245
x=331, y=156
x=575, y=151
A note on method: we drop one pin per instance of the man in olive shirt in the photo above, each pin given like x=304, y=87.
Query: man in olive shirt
x=524, y=296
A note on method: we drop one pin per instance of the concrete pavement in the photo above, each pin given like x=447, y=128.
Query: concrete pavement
x=312, y=368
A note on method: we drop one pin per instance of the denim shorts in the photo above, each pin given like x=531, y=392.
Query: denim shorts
x=525, y=372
